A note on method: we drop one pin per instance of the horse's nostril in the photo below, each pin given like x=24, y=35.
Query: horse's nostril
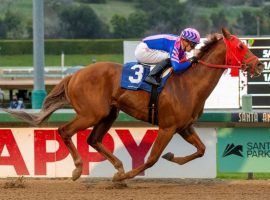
x=259, y=69
x=262, y=66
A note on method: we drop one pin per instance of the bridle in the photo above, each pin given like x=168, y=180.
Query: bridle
x=235, y=56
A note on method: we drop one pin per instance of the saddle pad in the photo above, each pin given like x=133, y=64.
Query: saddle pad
x=133, y=75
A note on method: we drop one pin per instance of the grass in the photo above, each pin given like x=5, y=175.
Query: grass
x=23, y=7
x=263, y=176
x=55, y=60
x=232, y=12
x=104, y=11
x=112, y=7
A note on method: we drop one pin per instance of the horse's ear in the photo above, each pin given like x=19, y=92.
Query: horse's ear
x=226, y=33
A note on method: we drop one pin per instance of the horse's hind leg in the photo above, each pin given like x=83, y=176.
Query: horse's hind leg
x=95, y=139
x=191, y=137
x=66, y=132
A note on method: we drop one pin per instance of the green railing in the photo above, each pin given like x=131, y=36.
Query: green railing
x=223, y=118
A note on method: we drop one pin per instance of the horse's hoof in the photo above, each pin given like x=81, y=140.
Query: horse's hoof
x=168, y=156
x=118, y=177
x=76, y=174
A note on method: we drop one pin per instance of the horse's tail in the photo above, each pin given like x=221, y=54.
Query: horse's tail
x=56, y=99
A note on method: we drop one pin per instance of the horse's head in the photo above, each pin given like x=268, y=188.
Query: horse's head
x=239, y=54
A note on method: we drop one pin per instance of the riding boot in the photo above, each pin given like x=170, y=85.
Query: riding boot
x=157, y=71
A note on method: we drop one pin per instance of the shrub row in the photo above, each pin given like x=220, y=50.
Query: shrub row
x=105, y=46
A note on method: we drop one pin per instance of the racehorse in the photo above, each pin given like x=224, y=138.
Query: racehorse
x=96, y=96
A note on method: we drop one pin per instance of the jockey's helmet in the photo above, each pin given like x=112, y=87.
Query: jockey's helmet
x=191, y=35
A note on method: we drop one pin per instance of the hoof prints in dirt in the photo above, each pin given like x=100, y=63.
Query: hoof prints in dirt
x=108, y=185
x=116, y=186
x=18, y=183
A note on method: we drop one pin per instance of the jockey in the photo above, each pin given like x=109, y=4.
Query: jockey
x=166, y=50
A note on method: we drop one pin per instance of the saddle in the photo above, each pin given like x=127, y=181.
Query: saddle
x=133, y=76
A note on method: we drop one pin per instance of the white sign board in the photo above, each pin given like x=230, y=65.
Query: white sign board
x=33, y=152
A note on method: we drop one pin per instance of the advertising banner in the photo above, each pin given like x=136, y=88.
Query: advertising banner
x=40, y=152
x=244, y=149
x=251, y=117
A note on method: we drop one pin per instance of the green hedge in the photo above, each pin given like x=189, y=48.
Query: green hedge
x=106, y=46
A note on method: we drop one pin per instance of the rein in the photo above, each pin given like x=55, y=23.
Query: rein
x=220, y=66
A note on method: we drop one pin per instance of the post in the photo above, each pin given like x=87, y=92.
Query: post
x=39, y=92
x=247, y=103
x=247, y=107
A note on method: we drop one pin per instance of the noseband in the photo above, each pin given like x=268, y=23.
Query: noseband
x=235, y=58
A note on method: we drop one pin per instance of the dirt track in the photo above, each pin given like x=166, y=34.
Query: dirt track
x=154, y=189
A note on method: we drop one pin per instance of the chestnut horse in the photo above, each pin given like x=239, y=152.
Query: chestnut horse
x=96, y=96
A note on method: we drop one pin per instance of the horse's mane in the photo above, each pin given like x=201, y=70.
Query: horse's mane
x=210, y=41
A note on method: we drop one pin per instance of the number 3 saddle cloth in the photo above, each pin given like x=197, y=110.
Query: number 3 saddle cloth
x=133, y=75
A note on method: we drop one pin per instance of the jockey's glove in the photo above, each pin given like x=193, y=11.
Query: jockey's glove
x=193, y=59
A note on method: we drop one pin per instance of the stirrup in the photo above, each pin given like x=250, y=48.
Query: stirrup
x=151, y=80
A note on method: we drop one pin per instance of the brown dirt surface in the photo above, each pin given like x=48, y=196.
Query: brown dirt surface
x=148, y=189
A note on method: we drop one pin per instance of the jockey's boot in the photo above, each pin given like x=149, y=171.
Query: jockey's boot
x=157, y=71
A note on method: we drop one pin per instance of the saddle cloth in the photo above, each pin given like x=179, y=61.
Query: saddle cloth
x=133, y=75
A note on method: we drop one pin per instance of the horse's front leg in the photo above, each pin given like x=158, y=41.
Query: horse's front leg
x=163, y=138
x=191, y=137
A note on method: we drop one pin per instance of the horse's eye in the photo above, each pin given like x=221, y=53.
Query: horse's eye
x=240, y=46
